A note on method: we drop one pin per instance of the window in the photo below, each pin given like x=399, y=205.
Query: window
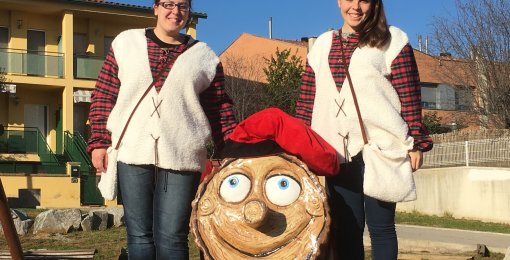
x=4, y=37
x=429, y=95
x=464, y=98
x=36, y=59
x=80, y=44
x=4, y=41
x=107, y=44
x=446, y=97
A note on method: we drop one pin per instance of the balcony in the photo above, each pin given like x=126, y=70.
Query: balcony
x=32, y=63
x=87, y=67
x=24, y=150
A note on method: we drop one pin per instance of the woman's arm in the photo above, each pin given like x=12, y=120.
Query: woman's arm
x=103, y=99
x=304, y=104
x=218, y=108
x=406, y=81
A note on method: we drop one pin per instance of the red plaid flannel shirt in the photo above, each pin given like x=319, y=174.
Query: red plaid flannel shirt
x=404, y=78
x=216, y=103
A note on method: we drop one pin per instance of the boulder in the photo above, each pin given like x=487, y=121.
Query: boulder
x=116, y=216
x=61, y=221
x=21, y=222
x=86, y=223
x=98, y=220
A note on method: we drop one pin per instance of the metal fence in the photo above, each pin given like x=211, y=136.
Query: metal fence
x=486, y=152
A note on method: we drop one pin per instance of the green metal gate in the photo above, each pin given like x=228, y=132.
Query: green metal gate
x=75, y=149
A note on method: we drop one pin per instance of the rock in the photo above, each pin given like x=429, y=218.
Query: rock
x=116, y=217
x=61, y=221
x=99, y=219
x=19, y=214
x=482, y=250
x=86, y=223
x=21, y=222
x=123, y=254
x=507, y=254
x=22, y=227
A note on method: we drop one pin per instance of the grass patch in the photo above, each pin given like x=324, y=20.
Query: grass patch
x=109, y=242
x=447, y=221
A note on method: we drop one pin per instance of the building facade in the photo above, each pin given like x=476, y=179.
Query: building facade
x=50, y=56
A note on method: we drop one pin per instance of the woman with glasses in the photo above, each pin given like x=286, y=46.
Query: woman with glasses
x=163, y=149
x=385, y=77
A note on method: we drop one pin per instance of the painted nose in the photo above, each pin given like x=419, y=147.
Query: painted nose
x=255, y=213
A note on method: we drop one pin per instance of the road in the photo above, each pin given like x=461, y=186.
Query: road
x=419, y=238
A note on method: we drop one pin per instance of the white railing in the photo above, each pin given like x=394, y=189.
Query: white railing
x=487, y=152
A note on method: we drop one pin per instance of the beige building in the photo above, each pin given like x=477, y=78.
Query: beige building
x=51, y=53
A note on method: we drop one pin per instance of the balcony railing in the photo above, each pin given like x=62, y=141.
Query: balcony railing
x=28, y=140
x=33, y=63
x=75, y=148
x=87, y=67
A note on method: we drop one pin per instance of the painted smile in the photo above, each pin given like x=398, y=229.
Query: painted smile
x=253, y=237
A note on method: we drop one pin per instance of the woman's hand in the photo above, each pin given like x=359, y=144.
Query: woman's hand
x=99, y=160
x=416, y=157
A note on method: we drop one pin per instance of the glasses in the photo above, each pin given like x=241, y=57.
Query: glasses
x=172, y=5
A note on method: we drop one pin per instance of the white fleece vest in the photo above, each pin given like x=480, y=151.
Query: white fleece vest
x=377, y=99
x=182, y=129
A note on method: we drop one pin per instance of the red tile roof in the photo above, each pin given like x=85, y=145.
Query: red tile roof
x=112, y=4
x=142, y=8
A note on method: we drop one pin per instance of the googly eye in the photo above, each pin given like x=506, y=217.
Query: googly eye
x=235, y=188
x=282, y=190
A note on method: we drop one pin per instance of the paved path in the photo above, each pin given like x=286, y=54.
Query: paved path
x=417, y=238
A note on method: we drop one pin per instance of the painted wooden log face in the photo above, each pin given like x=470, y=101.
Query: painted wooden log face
x=269, y=207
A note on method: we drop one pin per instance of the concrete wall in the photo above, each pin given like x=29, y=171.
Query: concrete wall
x=464, y=192
x=56, y=191
x=52, y=191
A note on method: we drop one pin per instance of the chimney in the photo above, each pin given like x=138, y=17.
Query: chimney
x=426, y=44
x=420, y=43
x=270, y=27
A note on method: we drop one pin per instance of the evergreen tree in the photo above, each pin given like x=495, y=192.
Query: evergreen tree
x=283, y=72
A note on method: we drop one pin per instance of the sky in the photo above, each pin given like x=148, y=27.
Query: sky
x=294, y=19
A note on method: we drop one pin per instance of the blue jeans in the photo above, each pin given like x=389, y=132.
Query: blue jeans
x=350, y=208
x=157, y=210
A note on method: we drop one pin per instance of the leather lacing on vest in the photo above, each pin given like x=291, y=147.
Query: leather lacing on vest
x=164, y=61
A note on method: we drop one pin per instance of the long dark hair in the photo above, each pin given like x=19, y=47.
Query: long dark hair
x=374, y=30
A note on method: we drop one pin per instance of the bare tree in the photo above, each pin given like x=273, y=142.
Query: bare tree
x=479, y=35
x=243, y=84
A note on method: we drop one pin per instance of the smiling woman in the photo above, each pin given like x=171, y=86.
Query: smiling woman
x=159, y=99
x=361, y=92
x=172, y=17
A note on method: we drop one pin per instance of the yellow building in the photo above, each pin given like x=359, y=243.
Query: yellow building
x=50, y=53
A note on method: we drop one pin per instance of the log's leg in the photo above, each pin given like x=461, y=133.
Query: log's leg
x=8, y=226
